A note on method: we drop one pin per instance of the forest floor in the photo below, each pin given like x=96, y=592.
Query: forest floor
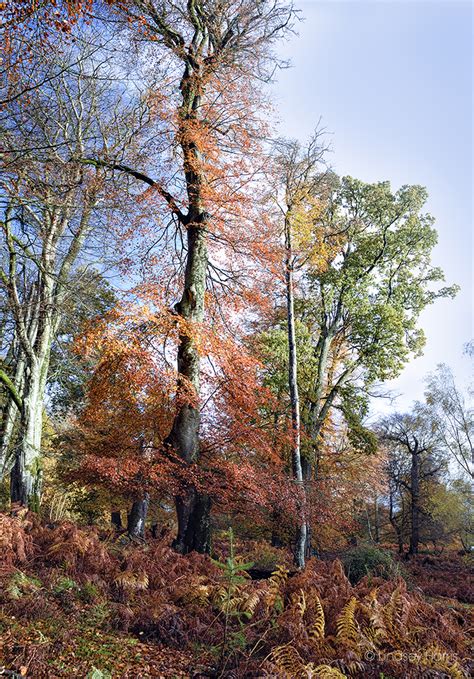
x=74, y=603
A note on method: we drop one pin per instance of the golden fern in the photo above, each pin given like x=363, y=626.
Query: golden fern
x=393, y=618
x=438, y=659
x=132, y=581
x=298, y=600
x=233, y=604
x=237, y=601
x=250, y=603
x=219, y=595
x=346, y=624
x=276, y=582
x=288, y=660
x=290, y=664
x=279, y=577
x=198, y=594
x=376, y=630
x=317, y=629
x=327, y=672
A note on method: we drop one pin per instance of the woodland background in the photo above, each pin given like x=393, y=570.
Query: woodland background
x=195, y=317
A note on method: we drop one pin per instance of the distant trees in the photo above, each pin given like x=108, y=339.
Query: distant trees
x=365, y=305
x=451, y=509
x=361, y=275
x=415, y=459
x=452, y=417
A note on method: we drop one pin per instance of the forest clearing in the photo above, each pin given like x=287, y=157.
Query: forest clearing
x=205, y=468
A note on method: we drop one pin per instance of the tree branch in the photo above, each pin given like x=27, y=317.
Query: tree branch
x=7, y=382
x=143, y=178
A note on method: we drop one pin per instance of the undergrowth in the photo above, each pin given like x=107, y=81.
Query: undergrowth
x=72, y=604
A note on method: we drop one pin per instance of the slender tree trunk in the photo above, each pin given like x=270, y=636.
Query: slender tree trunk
x=317, y=413
x=415, y=502
x=137, y=517
x=394, y=524
x=369, y=526
x=376, y=520
x=300, y=544
x=11, y=416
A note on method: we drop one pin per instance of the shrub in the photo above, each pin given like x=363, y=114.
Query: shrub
x=369, y=560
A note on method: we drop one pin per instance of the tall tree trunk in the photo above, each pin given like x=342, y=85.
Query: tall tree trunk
x=26, y=475
x=300, y=543
x=12, y=412
x=317, y=412
x=191, y=508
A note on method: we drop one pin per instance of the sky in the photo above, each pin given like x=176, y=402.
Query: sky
x=392, y=84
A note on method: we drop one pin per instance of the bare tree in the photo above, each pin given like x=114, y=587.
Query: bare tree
x=414, y=457
x=52, y=205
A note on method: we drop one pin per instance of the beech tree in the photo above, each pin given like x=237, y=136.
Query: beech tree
x=221, y=49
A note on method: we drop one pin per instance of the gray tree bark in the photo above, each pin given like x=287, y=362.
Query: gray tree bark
x=300, y=545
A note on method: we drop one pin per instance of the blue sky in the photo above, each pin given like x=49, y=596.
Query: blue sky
x=392, y=82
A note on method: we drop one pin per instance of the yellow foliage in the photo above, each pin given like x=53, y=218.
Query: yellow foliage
x=290, y=664
x=288, y=660
x=346, y=624
x=316, y=631
x=250, y=603
x=328, y=672
x=438, y=659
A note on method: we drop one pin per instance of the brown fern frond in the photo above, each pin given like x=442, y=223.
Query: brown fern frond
x=288, y=660
x=436, y=658
x=298, y=601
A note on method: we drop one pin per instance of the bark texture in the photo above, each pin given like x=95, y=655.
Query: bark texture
x=301, y=535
